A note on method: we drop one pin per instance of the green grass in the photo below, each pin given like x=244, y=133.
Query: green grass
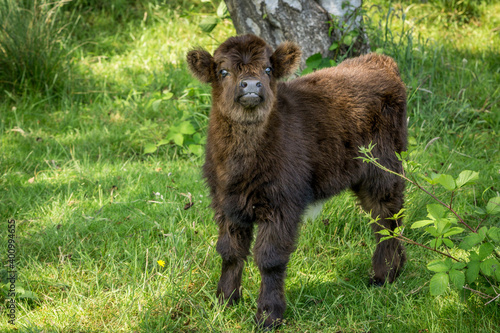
x=33, y=46
x=94, y=213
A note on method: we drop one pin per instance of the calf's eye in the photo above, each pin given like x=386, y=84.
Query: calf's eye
x=268, y=70
x=223, y=73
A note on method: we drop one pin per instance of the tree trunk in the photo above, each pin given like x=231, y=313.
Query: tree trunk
x=309, y=23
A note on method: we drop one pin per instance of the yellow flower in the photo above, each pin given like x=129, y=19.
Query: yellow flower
x=161, y=263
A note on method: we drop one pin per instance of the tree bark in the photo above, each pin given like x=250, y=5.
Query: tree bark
x=306, y=22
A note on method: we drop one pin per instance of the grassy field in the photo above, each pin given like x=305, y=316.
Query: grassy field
x=94, y=212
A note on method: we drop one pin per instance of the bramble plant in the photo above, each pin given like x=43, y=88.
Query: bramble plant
x=474, y=264
x=184, y=132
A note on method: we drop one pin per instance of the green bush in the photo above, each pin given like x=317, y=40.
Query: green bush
x=469, y=262
x=33, y=46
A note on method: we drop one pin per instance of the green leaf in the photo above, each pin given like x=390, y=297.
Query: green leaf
x=439, y=284
x=420, y=224
x=472, y=271
x=399, y=230
x=448, y=243
x=458, y=265
x=398, y=215
x=354, y=33
x=493, y=206
x=334, y=46
x=156, y=104
x=307, y=70
x=470, y=241
x=457, y=278
x=325, y=62
x=222, y=10
x=402, y=156
x=479, y=211
x=348, y=40
x=436, y=211
x=208, y=24
x=466, y=177
x=196, y=149
x=167, y=95
x=186, y=128
x=432, y=231
x=439, y=266
x=473, y=256
x=163, y=142
x=482, y=232
x=446, y=181
x=384, y=232
x=453, y=231
x=431, y=179
x=435, y=243
x=314, y=60
x=485, y=250
x=149, y=148
x=442, y=225
x=199, y=139
x=494, y=234
x=489, y=266
x=178, y=138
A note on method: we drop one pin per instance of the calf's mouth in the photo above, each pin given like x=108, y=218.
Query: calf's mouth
x=250, y=100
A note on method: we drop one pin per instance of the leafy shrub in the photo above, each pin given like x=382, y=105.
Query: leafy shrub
x=477, y=266
x=185, y=132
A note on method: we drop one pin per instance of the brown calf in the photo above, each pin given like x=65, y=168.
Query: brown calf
x=276, y=147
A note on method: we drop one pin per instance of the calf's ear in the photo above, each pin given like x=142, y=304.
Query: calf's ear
x=285, y=59
x=202, y=65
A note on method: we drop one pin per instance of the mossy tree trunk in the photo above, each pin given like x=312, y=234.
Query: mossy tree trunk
x=314, y=24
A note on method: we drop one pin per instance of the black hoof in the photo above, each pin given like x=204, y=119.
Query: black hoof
x=267, y=324
x=376, y=282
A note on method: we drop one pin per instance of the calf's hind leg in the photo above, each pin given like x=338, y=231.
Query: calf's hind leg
x=233, y=246
x=383, y=197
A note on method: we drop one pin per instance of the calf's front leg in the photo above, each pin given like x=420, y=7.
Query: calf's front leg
x=233, y=246
x=274, y=244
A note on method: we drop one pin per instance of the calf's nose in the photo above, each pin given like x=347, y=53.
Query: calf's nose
x=250, y=94
x=250, y=86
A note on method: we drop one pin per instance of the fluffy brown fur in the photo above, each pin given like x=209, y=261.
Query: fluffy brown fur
x=274, y=148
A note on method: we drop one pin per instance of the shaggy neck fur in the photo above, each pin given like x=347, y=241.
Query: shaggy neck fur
x=241, y=137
